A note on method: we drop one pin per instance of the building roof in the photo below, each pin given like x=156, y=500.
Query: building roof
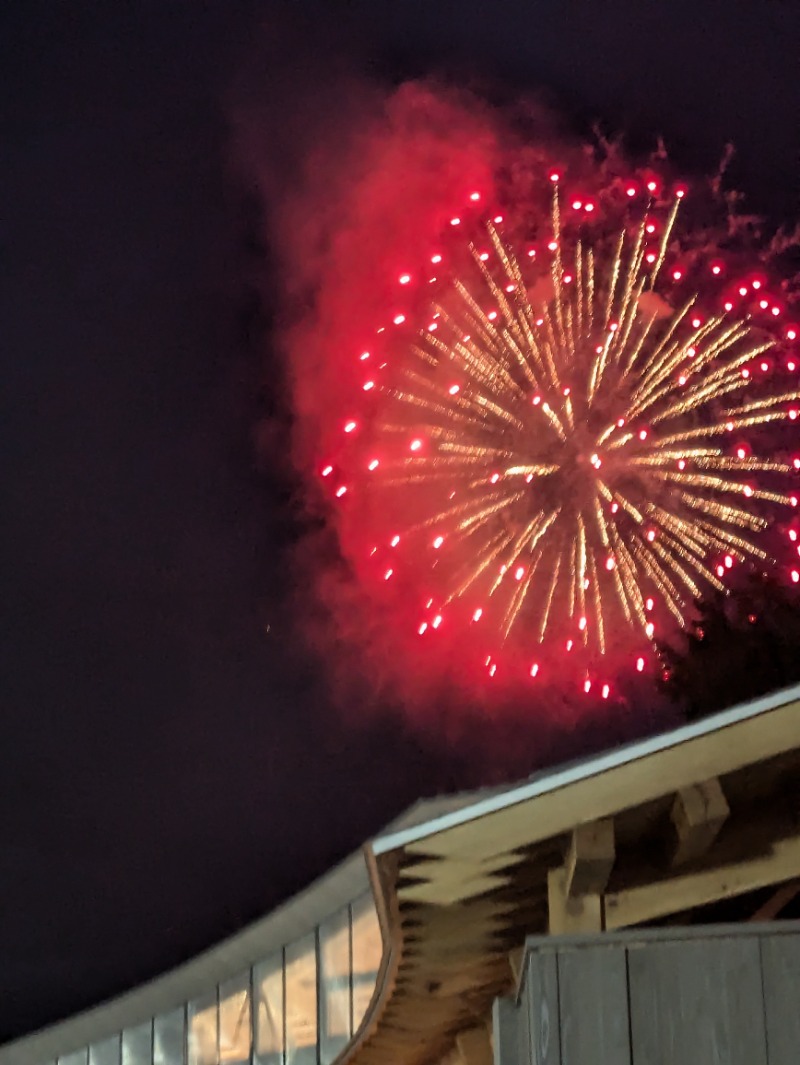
x=459, y=881
x=463, y=888
x=473, y=806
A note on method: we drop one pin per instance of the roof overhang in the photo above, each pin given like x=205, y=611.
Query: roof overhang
x=462, y=888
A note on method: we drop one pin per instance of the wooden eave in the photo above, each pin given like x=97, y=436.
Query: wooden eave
x=460, y=893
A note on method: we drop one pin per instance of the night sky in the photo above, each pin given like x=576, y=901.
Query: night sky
x=172, y=766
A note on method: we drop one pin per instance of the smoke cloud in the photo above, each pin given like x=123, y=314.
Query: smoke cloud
x=352, y=183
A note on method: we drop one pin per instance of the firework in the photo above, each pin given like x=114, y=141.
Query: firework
x=554, y=445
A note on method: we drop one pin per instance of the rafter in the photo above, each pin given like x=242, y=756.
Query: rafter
x=679, y=893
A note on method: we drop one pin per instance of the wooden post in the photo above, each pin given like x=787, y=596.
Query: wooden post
x=569, y=915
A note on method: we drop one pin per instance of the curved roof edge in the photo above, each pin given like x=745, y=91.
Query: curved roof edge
x=289, y=921
x=477, y=805
x=376, y=869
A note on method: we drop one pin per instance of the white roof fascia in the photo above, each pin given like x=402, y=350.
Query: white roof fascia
x=586, y=769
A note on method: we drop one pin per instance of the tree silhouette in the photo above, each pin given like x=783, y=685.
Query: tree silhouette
x=740, y=646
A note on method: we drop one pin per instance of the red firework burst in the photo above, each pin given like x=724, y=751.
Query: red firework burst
x=561, y=434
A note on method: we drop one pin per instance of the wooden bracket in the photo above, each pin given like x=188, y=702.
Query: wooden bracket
x=569, y=915
x=698, y=814
x=590, y=858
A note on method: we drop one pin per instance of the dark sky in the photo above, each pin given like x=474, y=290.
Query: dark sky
x=168, y=769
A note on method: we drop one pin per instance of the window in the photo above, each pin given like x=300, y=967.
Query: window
x=202, y=1042
x=301, y=1001
x=234, y=1020
x=367, y=952
x=268, y=1004
x=137, y=1045
x=168, y=1038
x=77, y=1057
x=299, y=1007
x=105, y=1053
x=335, y=1006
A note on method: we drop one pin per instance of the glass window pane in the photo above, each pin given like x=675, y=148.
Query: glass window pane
x=268, y=995
x=301, y=1001
x=137, y=1045
x=168, y=1038
x=367, y=952
x=105, y=1053
x=77, y=1057
x=234, y=1020
x=202, y=1044
x=334, y=956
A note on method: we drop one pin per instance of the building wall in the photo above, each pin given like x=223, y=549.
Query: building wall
x=695, y=996
x=300, y=1005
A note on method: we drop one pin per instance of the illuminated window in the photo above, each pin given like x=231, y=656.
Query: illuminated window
x=301, y=1001
x=202, y=1042
x=105, y=1053
x=78, y=1057
x=268, y=1000
x=367, y=952
x=234, y=1020
x=137, y=1045
x=335, y=1012
x=168, y=1038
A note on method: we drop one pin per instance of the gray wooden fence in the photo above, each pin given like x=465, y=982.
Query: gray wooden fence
x=719, y=995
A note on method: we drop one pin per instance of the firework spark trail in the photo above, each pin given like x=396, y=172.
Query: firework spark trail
x=557, y=461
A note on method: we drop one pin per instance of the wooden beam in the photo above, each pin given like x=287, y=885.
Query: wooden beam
x=458, y=982
x=447, y=892
x=775, y=903
x=633, y=783
x=590, y=858
x=570, y=915
x=698, y=814
x=447, y=923
x=475, y=1046
x=458, y=868
x=651, y=901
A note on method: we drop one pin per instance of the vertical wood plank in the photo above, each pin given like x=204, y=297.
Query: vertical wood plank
x=593, y=1006
x=524, y=1052
x=505, y=1032
x=542, y=1006
x=780, y=963
x=697, y=1003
